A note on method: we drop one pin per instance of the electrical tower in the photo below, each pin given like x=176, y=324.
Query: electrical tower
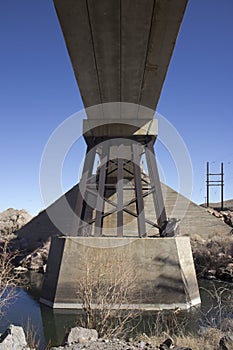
x=216, y=182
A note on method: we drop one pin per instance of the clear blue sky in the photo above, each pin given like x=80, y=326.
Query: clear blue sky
x=38, y=91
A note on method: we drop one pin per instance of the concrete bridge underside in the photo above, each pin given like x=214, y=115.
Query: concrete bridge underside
x=120, y=50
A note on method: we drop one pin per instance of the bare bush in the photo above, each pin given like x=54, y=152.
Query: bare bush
x=219, y=310
x=106, y=289
x=8, y=278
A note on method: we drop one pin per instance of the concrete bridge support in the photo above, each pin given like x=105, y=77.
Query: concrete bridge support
x=162, y=269
x=120, y=52
x=115, y=229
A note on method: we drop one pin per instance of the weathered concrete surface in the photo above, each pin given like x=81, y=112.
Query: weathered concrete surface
x=123, y=128
x=120, y=50
x=195, y=220
x=164, y=270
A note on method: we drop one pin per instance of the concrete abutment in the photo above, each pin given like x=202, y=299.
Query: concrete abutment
x=163, y=268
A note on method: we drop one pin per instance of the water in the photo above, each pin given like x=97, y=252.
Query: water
x=51, y=325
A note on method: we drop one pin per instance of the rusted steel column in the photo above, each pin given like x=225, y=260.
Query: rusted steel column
x=120, y=189
x=155, y=183
x=138, y=190
x=81, y=196
x=101, y=189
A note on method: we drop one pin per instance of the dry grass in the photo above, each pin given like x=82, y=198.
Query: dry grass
x=208, y=341
x=213, y=323
x=31, y=334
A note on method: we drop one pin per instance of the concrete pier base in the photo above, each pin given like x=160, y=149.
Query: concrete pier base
x=162, y=268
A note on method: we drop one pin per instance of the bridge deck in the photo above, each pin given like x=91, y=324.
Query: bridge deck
x=120, y=50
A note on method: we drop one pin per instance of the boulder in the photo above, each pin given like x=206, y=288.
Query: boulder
x=13, y=339
x=80, y=335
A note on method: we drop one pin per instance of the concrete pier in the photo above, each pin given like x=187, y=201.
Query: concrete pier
x=120, y=202
x=163, y=269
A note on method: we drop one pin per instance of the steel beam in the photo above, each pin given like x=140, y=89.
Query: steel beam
x=138, y=190
x=155, y=183
x=80, y=204
x=101, y=190
x=120, y=197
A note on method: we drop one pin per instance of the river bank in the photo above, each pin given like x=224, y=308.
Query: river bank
x=79, y=338
x=195, y=328
x=213, y=261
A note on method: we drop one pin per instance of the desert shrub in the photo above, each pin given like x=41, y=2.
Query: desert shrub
x=9, y=279
x=106, y=291
x=218, y=313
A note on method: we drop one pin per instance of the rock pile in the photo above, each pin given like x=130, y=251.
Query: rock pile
x=37, y=260
x=12, y=220
x=81, y=338
x=226, y=215
x=213, y=259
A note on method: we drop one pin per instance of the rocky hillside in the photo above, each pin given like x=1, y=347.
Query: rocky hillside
x=213, y=257
x=12, y=220
x=228, y=205
x=224, y=215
